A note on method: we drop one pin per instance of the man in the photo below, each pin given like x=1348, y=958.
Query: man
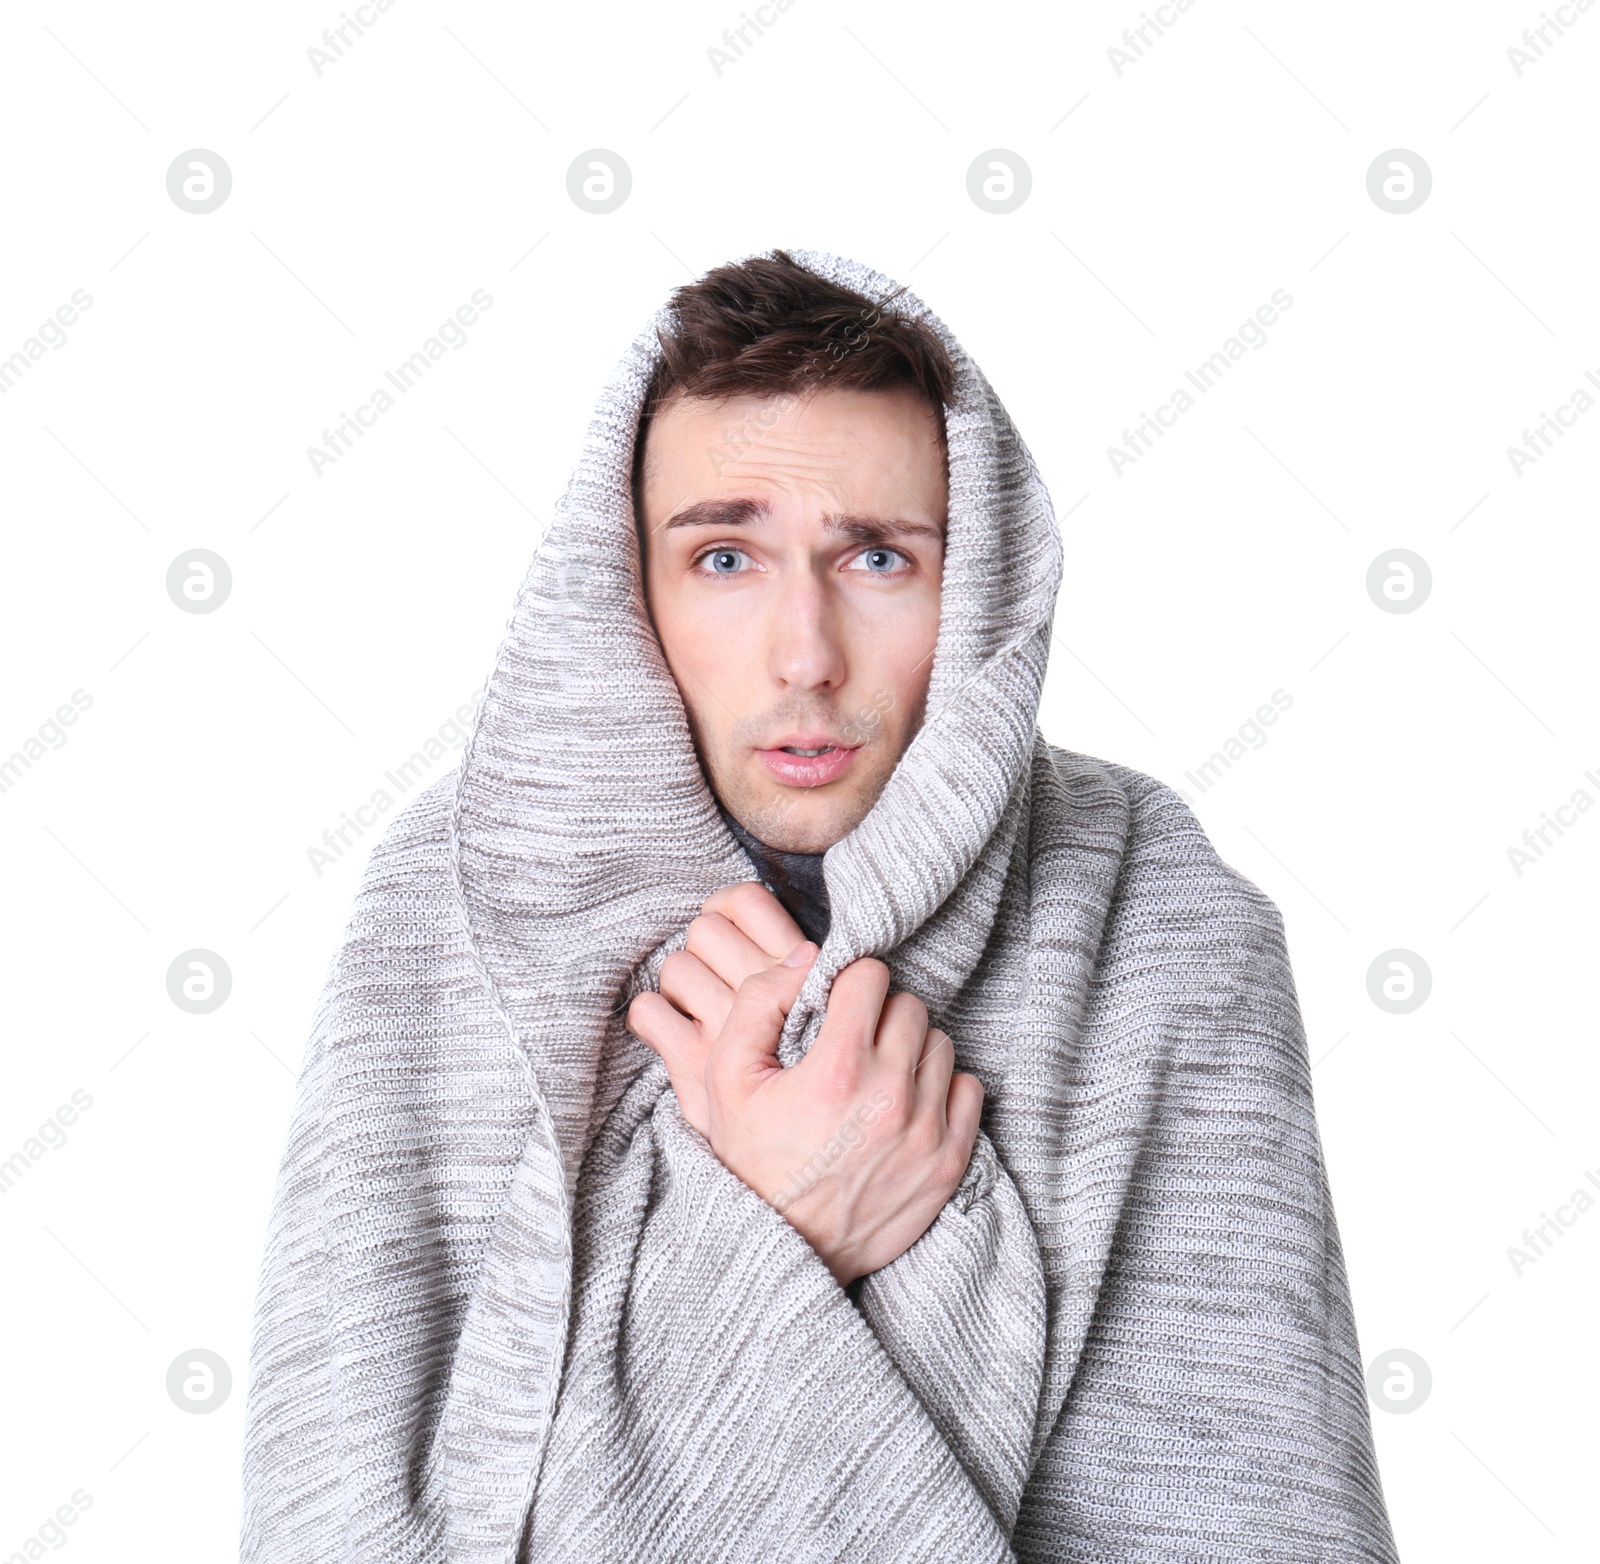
x=961, y=1200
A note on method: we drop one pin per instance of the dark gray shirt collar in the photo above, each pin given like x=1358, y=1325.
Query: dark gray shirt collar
x=795, y=878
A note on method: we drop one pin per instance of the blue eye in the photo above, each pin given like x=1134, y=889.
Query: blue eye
x=880, y=561
x=723, y=561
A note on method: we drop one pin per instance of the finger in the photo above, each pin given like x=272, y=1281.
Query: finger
x=902, y=1033
x=759, y=915
x=965, y=1109
x=854, y=1004
x=672, y=1035
x=931, y=1079
x=746, y=1051
x=696, y=990
x=727, y=950
x=844, y=1050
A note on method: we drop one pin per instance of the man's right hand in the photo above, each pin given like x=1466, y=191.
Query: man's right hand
x=862, y=1142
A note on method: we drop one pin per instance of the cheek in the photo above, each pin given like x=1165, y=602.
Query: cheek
x=696, y=640
x=894, y=673
x=697, y=628
x=907, y=701
x=900, y=637
x=691, y=652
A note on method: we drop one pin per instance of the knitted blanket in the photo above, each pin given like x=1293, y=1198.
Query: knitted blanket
x=514, y=1310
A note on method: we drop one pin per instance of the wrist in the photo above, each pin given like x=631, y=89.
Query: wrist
x=845, y=1262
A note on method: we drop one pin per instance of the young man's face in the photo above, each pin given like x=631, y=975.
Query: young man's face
x=793, y=552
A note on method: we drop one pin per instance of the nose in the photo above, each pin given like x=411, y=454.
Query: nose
x=807, y=650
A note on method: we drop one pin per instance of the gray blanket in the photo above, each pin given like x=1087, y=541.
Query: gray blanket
x=513, y=1308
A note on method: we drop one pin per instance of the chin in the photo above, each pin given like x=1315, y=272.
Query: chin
x=806, y=838
x=799, y=820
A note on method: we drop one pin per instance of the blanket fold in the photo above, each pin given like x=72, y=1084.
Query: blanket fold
x=513, y=1309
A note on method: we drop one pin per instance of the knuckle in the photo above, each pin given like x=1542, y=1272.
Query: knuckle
x=921, y=1149
x=858, y=981
x=922, y=1138
x=748, y=896
x=907, y=1010
x=761, y=995
x=701, y=929
x=951, y=1164
x=838, y=1080
x=762, y=984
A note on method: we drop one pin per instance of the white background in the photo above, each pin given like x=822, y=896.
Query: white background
x=1230, y=561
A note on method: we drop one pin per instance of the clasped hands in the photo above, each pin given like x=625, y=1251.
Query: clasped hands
x=862, y=1142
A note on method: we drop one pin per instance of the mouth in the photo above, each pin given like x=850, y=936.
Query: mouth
x=807, y=759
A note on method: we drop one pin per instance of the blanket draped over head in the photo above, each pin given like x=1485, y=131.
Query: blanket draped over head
x=514, y=1309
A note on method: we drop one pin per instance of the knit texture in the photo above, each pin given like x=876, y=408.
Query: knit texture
x=514, y=1310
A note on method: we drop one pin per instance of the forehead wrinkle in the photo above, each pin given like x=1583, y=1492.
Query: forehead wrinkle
x=816, y=468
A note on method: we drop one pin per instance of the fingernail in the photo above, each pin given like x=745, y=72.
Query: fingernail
x=800, y=955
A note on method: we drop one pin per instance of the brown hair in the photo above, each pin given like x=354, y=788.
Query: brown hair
x=769, y=326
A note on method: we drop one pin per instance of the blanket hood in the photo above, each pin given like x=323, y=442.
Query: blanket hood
x=581, y=800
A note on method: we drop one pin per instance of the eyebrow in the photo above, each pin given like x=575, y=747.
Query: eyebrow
x=871, y=529
x=744, y=512
x=718, y=513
